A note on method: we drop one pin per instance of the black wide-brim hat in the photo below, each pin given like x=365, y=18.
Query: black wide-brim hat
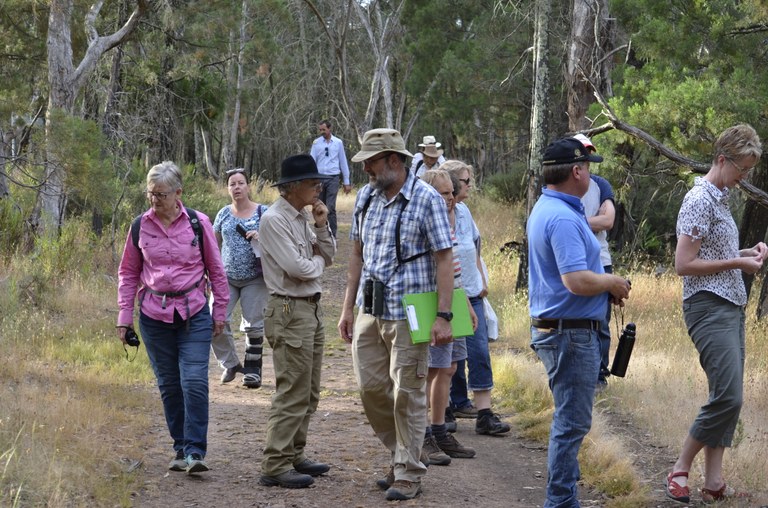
x=567, y=151
x=299, y=167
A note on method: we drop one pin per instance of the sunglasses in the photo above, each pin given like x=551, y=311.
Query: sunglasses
x=326, y=151
x=236, y=170
x=465, y=180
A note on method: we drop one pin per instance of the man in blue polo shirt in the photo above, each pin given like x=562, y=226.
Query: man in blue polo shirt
x=568, y=293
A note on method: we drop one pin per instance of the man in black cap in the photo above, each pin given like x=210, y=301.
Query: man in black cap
x=294, y=254
x=568, y=293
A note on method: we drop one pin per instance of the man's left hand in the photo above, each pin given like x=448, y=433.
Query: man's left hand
x=441, y=332
x=218, y=327
x=347, y=189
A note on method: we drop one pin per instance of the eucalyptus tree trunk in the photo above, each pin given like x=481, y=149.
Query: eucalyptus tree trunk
x=589, y=49
x=64, y=82
x=539, y=123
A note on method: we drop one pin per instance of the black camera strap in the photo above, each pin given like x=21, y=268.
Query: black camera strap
x=398, y=248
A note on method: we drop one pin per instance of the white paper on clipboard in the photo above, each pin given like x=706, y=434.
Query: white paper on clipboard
x=410, y=314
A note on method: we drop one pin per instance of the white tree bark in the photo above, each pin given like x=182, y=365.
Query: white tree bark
x=590, y=42
x=65, y=81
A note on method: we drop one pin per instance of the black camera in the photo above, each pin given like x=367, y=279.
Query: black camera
x=243, y=232
x=131, y=338
x=373, y=297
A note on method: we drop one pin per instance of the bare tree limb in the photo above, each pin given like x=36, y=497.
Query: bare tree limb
x=754, y=193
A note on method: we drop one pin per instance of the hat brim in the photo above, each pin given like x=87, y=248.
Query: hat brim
x=299, y=178
x=587, y=158
x=424, y=145
x=438, y=153
x=364, y=156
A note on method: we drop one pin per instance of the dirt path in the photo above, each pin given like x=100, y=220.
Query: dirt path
x=507, y=471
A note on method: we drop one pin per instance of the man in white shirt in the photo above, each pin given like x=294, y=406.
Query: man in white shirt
x=328, y=152
x=429, y=156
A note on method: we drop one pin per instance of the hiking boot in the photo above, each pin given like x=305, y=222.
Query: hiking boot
x=179, y=463
x=435, y=455
x=387, y=481
x=312, y=468
x=402, y=490
x=469, y=411
x=450, y=420
x=229, y=374
x=196, y=464
x=491, y=425
x=424, y=458
x=290, y=479
x=454, y=449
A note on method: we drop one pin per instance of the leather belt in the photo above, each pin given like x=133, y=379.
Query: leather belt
x=311, y=299
x=559, y=324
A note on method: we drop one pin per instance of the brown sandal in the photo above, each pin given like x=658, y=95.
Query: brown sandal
x=674, y=490
x=723, y=493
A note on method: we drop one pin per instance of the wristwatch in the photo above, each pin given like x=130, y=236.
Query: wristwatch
x=445, y=315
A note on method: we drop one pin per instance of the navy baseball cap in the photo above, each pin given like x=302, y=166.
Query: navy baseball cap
x=566, y=151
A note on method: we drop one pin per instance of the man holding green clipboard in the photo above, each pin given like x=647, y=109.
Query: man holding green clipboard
x=396, y=213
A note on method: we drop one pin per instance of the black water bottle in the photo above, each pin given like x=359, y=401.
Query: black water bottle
x=624, y=351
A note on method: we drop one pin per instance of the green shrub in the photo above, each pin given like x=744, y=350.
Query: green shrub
x=506, y=187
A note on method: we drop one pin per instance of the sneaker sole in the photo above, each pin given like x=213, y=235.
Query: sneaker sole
x=441, y=462
x=460, y=455
x=399, y=496
x=491, y=432
x=197, y=467
x=180, y=465
x=271, y=482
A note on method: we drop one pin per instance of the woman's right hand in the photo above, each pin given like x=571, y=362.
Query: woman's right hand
x=751, y=264
x=121, y=329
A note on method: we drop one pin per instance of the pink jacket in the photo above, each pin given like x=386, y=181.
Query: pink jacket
x=171, y=263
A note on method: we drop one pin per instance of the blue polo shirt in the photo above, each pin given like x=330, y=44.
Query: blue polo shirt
x=560, y=242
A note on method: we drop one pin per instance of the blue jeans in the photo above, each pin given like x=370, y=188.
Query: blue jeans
x=572, y=360
x=479, y=360
x=605, y=340
x=179, y=356
x=328, y=196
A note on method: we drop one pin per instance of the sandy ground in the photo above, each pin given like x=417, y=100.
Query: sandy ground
x=508, y=471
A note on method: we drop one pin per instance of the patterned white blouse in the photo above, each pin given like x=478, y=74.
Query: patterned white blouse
x=704, y=215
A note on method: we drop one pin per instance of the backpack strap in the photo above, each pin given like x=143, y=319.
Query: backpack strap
x=197, y=229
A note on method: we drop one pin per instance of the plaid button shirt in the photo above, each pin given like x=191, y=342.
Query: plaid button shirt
x=424, y=227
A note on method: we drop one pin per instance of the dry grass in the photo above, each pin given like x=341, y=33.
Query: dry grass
x=69, y=412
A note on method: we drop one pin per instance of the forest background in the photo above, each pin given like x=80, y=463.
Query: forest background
x=94, y=93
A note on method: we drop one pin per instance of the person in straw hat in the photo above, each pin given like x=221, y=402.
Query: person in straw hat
x=294, y=254
x=429, y=156
x=396, y=212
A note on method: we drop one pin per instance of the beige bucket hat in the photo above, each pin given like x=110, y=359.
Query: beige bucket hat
x=377, y=141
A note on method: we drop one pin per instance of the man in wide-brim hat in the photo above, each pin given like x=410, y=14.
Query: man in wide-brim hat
x=430, y=156
x=296, y=248
x=395, y=211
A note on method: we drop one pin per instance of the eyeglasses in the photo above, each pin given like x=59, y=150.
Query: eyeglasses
x=157, y=195
x=368, y=162
x=465, y=180
x=741, y=170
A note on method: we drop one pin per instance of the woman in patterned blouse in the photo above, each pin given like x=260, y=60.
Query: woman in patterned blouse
x=237, y=231
x=714, y=296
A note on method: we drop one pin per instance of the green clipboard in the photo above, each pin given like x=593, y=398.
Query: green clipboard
x=421, y=312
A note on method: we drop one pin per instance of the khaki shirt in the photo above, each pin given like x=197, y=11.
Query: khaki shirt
x=286, y=236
